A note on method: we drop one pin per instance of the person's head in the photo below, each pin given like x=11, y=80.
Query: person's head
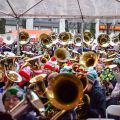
x=91, y=81
x=12, y=97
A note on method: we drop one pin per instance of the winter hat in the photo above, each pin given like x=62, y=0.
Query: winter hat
x=25, y=74
x=49, y=66
x=90, y=78
x=53, y=60
x=13, y=91
x=92, y=71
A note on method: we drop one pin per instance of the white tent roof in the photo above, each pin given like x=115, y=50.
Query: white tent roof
x=61, y=8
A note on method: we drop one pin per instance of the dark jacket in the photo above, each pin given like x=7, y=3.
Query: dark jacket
x=97, y=105
x=27, y=116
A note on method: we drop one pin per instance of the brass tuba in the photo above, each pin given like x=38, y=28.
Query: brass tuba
x=61, y=54
x=45, y=39
x=23, y=38
x=88, y=37
x=69, y=97
x=103, y=40
x=89, y=59
x=64, y=37
x=13, y=77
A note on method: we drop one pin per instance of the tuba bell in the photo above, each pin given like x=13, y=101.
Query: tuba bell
x=88, y=37
x=13, y=77
x=89, y=59
x=115, y=39
x=103, y=40
x=23, y=38
x=77, y=40
x=45, y=39
x=65, y=99
x=64, y=37
x=61, y=54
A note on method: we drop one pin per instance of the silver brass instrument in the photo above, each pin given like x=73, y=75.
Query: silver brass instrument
x=77, y=40
x=30, y=101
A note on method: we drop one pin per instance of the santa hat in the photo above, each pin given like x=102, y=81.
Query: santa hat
x=49, y=66
x=25, y=74
x=53, y=60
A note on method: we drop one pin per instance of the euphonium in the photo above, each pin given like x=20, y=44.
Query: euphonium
x=61, y=54
x=64, y=37
x=89, y=59
x=45, y=39
x=103, y=40
x=23, y=38
x=88, y=37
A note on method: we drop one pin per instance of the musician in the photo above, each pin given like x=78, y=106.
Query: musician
x=97, y=104
x=11, y=98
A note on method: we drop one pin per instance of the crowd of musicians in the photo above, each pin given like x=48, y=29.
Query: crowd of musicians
x=62, y=77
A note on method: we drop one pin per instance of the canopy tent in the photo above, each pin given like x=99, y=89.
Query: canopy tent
x=76, y=9
x=90, y=9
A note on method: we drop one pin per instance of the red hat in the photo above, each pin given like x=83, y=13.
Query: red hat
x=53, y=60
x=49, y=65
x=25, y=74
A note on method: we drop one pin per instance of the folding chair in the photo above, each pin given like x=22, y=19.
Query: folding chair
x=113, y=110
